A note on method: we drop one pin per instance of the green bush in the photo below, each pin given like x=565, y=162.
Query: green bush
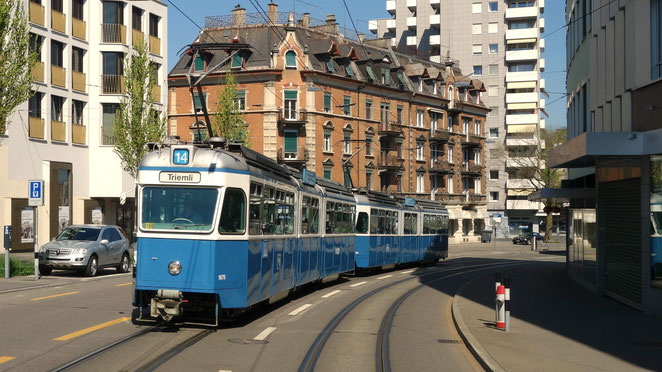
x=16, y=267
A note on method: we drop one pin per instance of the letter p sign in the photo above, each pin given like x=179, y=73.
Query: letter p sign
x=35, y=193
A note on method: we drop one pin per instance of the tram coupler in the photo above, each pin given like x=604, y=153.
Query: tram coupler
x=167, y=304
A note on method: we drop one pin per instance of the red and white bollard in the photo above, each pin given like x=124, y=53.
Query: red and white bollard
x=497, y=283
x=500, y=307
x=506, y=282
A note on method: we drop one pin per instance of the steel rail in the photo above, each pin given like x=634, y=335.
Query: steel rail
x=310, y=359
x=170, y=353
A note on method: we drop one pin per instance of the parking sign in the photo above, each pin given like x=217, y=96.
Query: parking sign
x=35, y=193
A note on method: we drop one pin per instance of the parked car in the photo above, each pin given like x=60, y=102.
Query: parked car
x=86, y=248
x=525, y=238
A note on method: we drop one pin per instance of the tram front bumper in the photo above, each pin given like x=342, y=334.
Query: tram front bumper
x=167, y=304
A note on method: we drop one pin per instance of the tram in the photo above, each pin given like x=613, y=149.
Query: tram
x=222, y=228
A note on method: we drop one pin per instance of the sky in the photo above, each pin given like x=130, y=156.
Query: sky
x=181, y=32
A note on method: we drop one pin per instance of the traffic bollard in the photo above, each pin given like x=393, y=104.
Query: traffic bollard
x=506, y=283
x=497, y=283
x=500, y=308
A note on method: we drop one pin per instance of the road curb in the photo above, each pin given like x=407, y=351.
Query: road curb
x=469, y=339
x=58, y=284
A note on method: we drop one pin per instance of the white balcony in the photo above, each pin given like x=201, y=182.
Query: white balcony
x=523, y=162
x=542, y=84
x=435, y=20
x=542, y=123
x=522, y=97
x=521, y=142
x=541, y=64
x=512, y=77
x=436, y=59
x=522, y=204
x=390, y=6
x=521, y=184
x=411, y=41
x=390, y=25
x=521, y=55
x=434, y=4
x=542, y=104
x=435, y=39
x=394, y=41
x=522, y=119
x=517, y=13
x=541, y=5
x=541, y=44
x=411, y=4
x=411, y=23
x=522, y=33
x=541, y=24
x=372, y=26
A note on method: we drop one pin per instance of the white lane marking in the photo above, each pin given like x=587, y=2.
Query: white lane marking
x=224, y=370
x=264, y=333
x=331, y=293
x=300, y=309
x=385, y=276
x=358, y=284
x=407, y=272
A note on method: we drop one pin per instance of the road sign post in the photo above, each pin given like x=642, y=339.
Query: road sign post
x=7, y=244
x=496, y=219
x=35, y=200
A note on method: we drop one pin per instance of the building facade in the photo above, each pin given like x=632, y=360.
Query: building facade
x=352, y=111
x=64, y=133
x=498, y=42
x=613, y=150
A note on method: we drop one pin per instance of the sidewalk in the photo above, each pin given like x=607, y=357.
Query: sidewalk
x=556, y=325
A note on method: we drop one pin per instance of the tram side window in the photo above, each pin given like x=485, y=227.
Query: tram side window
x=329, y=217
x=255, y=210
x=444, y=225
x=411, y=223
x=269, y=211
x=289, y=213
x=374, y=220
x=396, y=219
x=233, y=217
x=305, y=219
x=281, y=212
x=362, y=223
x=426, y=224
x=314, y=215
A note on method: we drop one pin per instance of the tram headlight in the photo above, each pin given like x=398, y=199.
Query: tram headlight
x=174, y=268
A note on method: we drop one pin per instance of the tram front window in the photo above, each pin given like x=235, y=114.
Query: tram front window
x=178, y=208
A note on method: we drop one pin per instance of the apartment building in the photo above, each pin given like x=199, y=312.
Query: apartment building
x=498, y=42
x=64, y=133
x=613, y=153
x=356, y=112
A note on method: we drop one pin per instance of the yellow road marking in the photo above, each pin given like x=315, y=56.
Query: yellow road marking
x=123, y=284
x=6, y=359
x=91, y=329
x=57, y=295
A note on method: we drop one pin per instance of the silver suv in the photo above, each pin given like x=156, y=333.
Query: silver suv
x=86, y=248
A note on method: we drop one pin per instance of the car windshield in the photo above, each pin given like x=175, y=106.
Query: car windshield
x=178, y=208
x=79, y=233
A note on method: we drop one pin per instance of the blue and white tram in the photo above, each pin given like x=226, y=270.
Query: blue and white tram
x=432, y=229
x=220, y=231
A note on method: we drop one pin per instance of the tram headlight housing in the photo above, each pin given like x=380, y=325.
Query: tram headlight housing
x=174, y=268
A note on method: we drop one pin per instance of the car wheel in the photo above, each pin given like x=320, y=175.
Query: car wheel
x=45, y=270
x=92, y=266
x=123, y=267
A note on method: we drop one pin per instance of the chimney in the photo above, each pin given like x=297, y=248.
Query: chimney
x=238, y=16
x=330, y=19
x=273, y=12
x=305, y=21
x=360, y=36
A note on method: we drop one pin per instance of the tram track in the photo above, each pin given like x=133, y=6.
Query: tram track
x=382, y=355
x=153, y=363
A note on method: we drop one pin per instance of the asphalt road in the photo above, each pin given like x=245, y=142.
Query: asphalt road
x=43, y=329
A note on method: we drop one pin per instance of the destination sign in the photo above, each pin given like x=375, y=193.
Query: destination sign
x=179, y=177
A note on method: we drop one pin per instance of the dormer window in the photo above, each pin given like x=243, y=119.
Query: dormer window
x=348, y=69
x=450, y=93
x=290, y=59
x=329, y=65
x=435, y=88
x=386, y=76
x=199, y=63
x=237, y=61
x=420, y=83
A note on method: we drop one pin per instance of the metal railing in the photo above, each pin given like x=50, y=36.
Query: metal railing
x=113, y=33
x=391, y=161
x=113, y=84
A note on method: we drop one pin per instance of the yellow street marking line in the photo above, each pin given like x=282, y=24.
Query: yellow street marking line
x=264, y=334
x=123, y=284
x=300, y=309
x=57, y=295
x=407, y=272
x=331, y=293
x=384, y=277
x=6, y=359
x=358, y=284
x=91, y=329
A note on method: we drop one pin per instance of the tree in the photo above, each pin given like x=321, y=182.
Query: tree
x=137, y=122
x=527, y=163
x=228, y=119
x=16, y=59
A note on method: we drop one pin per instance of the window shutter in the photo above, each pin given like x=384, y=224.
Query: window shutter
x=196, y=100
x=199, y=63
x=290, y=59
x=237, y=60
x=290, y=141
x=290, y=94
x=327, y=101
x=327, y=173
